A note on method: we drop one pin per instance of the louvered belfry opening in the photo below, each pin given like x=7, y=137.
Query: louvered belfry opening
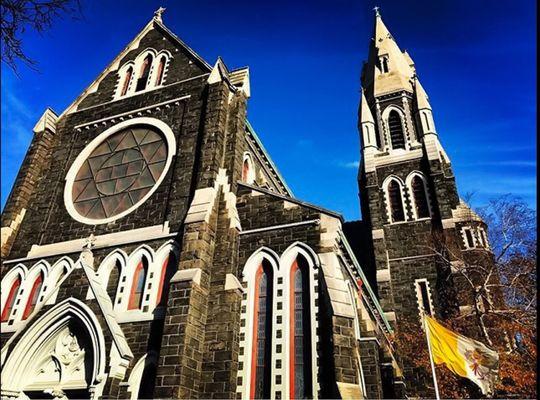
x=420, y=197
x=397, y=138
x=396, y=203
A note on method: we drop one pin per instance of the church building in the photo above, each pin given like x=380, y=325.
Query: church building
x=151, y=248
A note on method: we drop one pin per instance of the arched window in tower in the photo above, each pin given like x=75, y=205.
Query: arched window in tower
x=33, y=297
x=143, y=74
x=10, y=301
x=245, y=170
x=300, y=331
x=397, y=138
x=137, y=287
x=167, y=271
x=420, y=197
x=127, y=79
x=262, y=333
x=395, y=200
x=160, y=70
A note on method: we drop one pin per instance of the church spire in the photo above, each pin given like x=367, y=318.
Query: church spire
x=388, y=69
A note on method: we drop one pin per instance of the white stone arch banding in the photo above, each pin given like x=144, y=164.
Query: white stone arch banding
x=286, y=261
x=248, y=277
x=19, y=270
x=402, y=190
x=134, y=381
x=251, y=173
x=126, y=280
x=406, y=136
x=59, y=269
x=22, y=361
x=116, y=257
x=165, y=250
x=408, y=183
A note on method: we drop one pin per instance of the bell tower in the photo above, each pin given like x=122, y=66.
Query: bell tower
x=407, y=187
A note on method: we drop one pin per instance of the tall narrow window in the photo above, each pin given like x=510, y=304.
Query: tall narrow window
x=10, y=301
x=137, y=287
x=167, y=271
x=397, y=139
x=127, y=79
x=114, y=279
x=420, y=197
x=33, y=297
x=396, y=204
x=143, y=75
x=469, y=238
x=245, y=171
x=262, y=333
x=424, y=300
x=300, y=328
x=160, y=70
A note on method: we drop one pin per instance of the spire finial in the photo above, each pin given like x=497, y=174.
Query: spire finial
x=158, y=13
x=376, y=9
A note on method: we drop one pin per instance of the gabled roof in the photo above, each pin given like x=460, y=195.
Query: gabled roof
x=114, y=65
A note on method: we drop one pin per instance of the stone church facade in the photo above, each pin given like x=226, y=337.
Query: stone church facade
x=151, y=248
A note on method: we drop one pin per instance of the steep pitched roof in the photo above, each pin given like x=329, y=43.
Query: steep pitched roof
x=114, y=65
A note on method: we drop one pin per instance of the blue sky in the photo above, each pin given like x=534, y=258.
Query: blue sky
x=476, y=60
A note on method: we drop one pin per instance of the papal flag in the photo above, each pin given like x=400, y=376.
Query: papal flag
x=463, y=356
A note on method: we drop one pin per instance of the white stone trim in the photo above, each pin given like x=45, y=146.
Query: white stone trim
x=188, y=275
x=390, y=315
x=377, y=234
x=251, y=168
x=408, y=182
x=81, y=158
x=248, y=278
x=388, y=143
x=282, y=226
x=136, y=65
x=134, y=381
x=401, y=184
x=383, y=275
x=448, y=223
x=32, y=343
x=419, y=300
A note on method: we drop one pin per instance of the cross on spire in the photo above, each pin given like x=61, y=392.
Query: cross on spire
x=376, y=9
x=158, y=13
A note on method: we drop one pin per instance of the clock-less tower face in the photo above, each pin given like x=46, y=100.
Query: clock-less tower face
x=117, y=172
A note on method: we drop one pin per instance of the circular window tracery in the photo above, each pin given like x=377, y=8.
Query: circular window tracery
x=116, y=173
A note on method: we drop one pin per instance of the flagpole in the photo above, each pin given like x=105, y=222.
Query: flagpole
x=431, y=358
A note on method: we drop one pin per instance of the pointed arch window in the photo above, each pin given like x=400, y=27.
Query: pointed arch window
x=167, y=271
x=420, y=197
x=160, y=70
x=395, y=200
x=397, y=138
x=114, y=279
x=245, y=170
x=300, y=331
x=127, y=79
x=262, y=333
x=144, y=73
x=33, y=297
x=137, y=287
x=10, y=301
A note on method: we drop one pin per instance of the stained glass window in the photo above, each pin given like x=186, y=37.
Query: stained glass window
x=396, y=130
x=262, y=333
x=33, y=297
x=137, y=288
x=10, y=301
x=161, y=68
x=300, y=331
x=396, y=204
x=143, y=75
x=167, y=271
x=127, y=79
x=420, y=198
x=119, y=172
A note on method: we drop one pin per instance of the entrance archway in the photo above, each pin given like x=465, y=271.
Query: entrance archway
x=61, y=355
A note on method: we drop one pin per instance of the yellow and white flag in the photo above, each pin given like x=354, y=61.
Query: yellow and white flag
x=463, y=356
